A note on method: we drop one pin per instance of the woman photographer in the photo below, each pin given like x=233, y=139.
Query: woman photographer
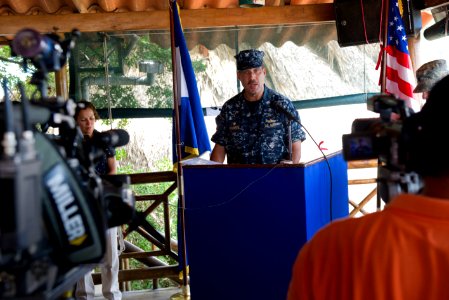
x=85, y=117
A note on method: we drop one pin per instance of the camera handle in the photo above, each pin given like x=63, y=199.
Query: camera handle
x=390, y=183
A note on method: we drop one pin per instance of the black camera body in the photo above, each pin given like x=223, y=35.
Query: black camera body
x=387, y=140
x=378, y=137
x=55, y=209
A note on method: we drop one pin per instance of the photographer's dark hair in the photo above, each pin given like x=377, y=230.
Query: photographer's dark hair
x=424, y=133
x=85, y=105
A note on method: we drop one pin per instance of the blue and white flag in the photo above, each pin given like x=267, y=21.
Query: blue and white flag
x=194, y=138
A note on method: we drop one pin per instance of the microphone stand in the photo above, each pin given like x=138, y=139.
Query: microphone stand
x=290, y=150
x=277, y=106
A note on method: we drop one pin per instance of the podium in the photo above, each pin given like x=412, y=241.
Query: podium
x=246, y=223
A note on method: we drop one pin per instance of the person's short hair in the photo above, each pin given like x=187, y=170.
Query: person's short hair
x=85, y=105
x=248, y=59
x=429, y=74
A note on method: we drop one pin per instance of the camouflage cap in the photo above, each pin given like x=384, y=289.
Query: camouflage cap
x=429, y=74
x=248, y=59
x=436, y=106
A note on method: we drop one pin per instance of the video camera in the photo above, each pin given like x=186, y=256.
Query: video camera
x=55, y=209
x=384, y=139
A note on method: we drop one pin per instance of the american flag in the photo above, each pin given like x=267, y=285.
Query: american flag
x=400, y=79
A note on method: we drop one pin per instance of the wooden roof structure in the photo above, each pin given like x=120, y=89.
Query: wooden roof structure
x=61, y=16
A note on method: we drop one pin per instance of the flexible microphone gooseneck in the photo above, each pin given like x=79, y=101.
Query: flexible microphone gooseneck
x=278, y=106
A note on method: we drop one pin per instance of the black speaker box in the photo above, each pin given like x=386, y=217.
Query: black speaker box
x=422, y=4
x=350, y=18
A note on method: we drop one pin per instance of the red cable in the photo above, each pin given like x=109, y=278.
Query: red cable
x=381, y=19
x=363, y=21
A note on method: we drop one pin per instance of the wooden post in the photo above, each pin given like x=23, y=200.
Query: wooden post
x=61, y=82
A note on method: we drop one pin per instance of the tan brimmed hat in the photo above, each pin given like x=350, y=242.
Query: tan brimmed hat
x=429, y=74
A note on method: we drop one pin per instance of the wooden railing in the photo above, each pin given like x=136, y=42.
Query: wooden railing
x=160, y=243
x=360, y=204
x=163, y=245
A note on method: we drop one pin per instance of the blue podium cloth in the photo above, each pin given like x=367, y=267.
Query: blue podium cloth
x=246, y=223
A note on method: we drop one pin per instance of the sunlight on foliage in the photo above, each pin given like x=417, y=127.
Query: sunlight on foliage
x=156, y=219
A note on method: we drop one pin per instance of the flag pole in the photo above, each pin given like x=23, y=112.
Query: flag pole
x=385, y=12
x=176, y=102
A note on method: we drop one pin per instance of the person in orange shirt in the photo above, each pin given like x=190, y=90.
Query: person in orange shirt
x=401, y=252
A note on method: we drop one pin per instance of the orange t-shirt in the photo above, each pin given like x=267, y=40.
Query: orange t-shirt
x=401, y=252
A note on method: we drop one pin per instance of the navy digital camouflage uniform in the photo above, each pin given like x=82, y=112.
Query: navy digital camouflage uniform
x=254, y=132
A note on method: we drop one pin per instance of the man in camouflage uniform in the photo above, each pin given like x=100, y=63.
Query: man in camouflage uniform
x=428, y=75
x=250, y=128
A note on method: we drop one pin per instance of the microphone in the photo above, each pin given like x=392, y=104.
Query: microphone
x=111, y=138
x=278, y=106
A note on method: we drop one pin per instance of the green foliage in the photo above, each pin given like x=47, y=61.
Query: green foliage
x=120, y=96
x=156, y=219
x=92, y=50
x=160, y=96
x=12, y=69
x=147, y=50
x=198, y=66
x=164, y=164
x=5, y=51
x=124, y=56
x=122, y=123
x=120, y=154
x=9, y=65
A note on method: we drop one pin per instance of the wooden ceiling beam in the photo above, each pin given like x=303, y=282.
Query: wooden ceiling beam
x=154, y=20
